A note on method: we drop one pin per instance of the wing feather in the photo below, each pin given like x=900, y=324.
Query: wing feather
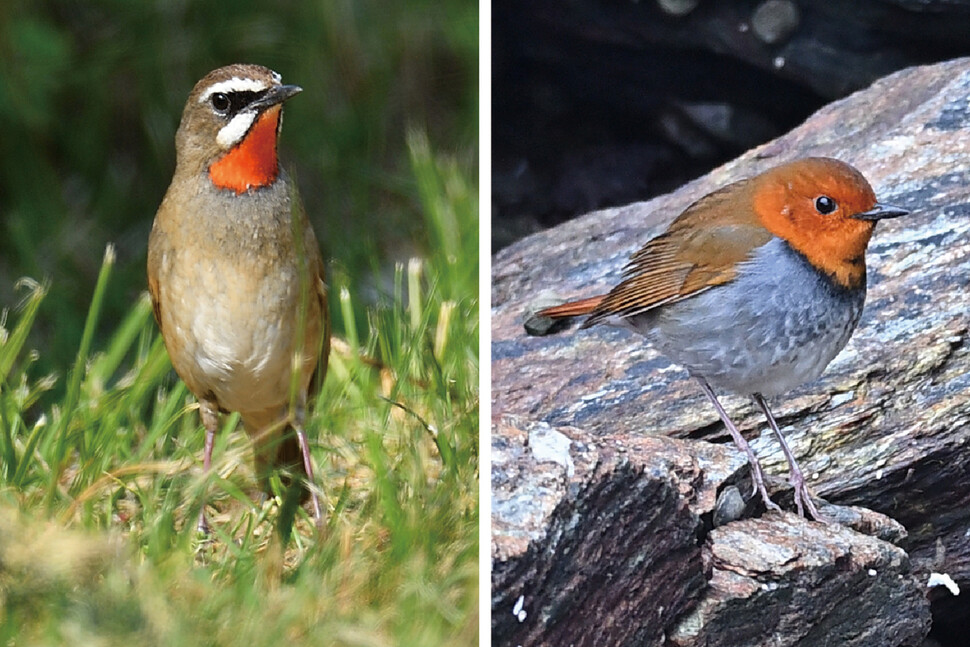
x=701, y=249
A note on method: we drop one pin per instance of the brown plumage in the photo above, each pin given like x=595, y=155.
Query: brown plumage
x=232, y=260
x=703, y=246
x=754, y=288
x=699, y=250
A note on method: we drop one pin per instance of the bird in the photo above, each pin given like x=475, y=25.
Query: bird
x=754, y=289
x=235, y=273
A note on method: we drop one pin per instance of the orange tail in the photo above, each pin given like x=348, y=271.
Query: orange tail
x=572, y=308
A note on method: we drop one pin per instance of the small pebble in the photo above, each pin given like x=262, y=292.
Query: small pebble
x=729, y=506
x=943, y=579
x=775, y=20
x=678, y=7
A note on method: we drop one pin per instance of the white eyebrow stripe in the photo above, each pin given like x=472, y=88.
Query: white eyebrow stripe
x=235, y=84
x=231, y=134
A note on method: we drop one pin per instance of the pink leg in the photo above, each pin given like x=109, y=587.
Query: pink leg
x=756, y=474
x=803, y=498
x=308, y=464
x=210, y=420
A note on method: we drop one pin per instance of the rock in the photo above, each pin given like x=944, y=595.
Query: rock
x=596, y=543
x=775, y=20
x=803, y=583
x=678, y=7
x=885, y=428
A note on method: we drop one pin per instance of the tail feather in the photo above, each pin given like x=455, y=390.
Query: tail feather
x=276, y=449
x=573, y=308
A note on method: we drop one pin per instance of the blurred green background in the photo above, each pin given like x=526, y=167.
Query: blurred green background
x=91, y=93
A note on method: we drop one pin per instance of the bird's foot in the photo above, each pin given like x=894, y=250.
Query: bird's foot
x=804, y=501
x=758, y=477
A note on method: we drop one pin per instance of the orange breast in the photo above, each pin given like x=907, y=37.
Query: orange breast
x=252, y=162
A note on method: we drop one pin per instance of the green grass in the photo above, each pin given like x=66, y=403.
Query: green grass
x=99, y=489
x=91, y=92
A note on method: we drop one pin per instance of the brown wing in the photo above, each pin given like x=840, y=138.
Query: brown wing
x=318, y=289
x=316, y=382
x=700, y=249
x=153, y=267
x=153, y=293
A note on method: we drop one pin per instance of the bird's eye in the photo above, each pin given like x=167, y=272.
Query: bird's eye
x=220, y=103
x=824, y=204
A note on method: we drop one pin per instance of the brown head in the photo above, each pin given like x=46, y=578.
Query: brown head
x=230, y=126
x=824, y=209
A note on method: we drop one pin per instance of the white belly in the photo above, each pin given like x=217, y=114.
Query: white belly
x=236, y=335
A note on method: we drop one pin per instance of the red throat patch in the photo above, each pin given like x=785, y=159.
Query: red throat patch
x=252, y=162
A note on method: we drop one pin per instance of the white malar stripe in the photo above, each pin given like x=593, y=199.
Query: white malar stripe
x=233, y=132
x=235, y=84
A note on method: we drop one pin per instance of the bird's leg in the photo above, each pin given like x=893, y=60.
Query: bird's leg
x=756, y=474
x=299, y=419
x=803, y=498
x=209, y=412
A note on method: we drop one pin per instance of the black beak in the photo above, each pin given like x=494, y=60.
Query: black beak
x=881, y=212
x=274, y=95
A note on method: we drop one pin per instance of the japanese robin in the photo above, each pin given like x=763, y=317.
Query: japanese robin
x=754, y=288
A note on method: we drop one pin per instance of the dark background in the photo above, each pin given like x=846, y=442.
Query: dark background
x=599, y=104
x=91, y=92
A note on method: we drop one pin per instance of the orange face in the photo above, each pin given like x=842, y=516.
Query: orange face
x=812, y=204
x=252, y=162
